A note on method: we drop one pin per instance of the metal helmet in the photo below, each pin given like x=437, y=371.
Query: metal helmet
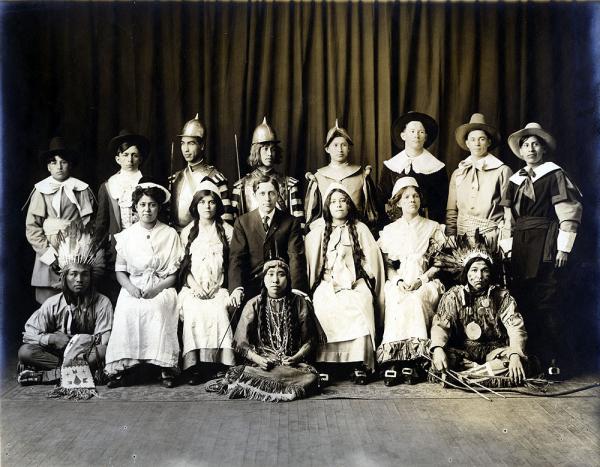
x=193, y=128
x=263, y=133
x=337, y=131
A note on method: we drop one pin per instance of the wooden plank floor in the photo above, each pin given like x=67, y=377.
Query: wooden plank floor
x=524, y=431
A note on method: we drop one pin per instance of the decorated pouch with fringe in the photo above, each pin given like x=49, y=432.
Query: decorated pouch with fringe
x=76, y=380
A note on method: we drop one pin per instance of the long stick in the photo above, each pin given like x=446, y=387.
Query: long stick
x=467, y=385
x=458, y=387
x=449, y=372
x=241, y=207
x=457, y=375
x=228, y=326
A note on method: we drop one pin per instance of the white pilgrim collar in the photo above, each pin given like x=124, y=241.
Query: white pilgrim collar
x=539, y=171
x=49, y=185
x=425, y=163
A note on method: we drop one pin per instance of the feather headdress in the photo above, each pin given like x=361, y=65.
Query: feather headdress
x=459, y=250
x=76, y=245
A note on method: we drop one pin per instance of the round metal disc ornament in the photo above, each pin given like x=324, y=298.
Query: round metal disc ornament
x=473, y=331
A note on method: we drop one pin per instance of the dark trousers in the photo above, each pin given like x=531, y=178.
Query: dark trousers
x=539, y=301
x=47, y=358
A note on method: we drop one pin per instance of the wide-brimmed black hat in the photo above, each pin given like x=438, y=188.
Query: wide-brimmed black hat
x=141, y=142
x=431, y=127
x=58, y=147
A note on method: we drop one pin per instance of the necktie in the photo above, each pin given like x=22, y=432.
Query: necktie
x=466, y=166
x=266, y=223
x=61, y=187
x=528, y=189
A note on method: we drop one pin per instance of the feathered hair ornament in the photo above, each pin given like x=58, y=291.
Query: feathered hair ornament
x=459, y=250
x=275, y=259
x=76, y=245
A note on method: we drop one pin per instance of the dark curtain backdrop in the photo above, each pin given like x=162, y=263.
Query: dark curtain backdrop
x=86, y=70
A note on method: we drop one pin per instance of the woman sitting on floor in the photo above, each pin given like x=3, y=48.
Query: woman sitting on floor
x=276, y=334
x=346, y=276
x=145, y=321
x=203, y=300
x=411, y=292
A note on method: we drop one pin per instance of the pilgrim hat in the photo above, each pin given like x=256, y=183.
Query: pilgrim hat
x=477, y=122
x=531, y=129
x=141, y=142
x=431, y=127
x=58, y=147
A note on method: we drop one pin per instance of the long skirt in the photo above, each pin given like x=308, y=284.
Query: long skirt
x=407, y=321
x=347, y=319
x=279, y=384
x=207, y=335
x=144, y=330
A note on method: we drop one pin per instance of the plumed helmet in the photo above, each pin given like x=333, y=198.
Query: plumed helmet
x=263, y=133
x=336, y=130
x=193, y=128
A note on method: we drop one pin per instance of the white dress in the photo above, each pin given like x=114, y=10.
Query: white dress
x=344, y=306
x=145, y=329
x=408, y=314
x=206, y=321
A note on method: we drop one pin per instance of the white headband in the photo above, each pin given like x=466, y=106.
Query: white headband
x=156, y=185
x=335, y=186
x=208, y=186
x=403, y=183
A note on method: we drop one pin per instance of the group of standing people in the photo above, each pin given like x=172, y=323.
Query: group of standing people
x=352, y=275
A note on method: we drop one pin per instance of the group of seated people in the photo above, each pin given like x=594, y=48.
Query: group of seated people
x=358, y=277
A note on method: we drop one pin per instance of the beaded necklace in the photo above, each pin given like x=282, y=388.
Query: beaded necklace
x=277, y=311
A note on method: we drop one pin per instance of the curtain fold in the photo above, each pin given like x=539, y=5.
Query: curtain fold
x=86, y=70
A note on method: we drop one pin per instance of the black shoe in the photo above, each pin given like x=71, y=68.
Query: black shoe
x=408, y=375
x=360, y=377
x=30, y=377
x=390, y=377
x=194, y=379
x=323, y=379
x=168, y=382
x=115, y=381
x=553, y=373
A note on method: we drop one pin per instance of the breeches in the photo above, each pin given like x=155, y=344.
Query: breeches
x=45, y=358
x=538, y=300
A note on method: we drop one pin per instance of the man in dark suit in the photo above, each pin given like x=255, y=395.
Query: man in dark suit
x=260, y=234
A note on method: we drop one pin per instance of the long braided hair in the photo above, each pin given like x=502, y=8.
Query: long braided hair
x=357, y=252
x=186, y=264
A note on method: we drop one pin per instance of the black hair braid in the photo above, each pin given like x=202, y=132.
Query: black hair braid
x=223, y=238
x=293, y=325
x=261, y=330
x=186, y=263
x=324, y=244
x=359, y=256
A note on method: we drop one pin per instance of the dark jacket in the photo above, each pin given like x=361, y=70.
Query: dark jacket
x=251, y=246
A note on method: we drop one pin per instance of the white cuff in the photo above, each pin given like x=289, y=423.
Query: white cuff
x=506, y=244
x=424, y=278
x=49, y=257
x=565, y=241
